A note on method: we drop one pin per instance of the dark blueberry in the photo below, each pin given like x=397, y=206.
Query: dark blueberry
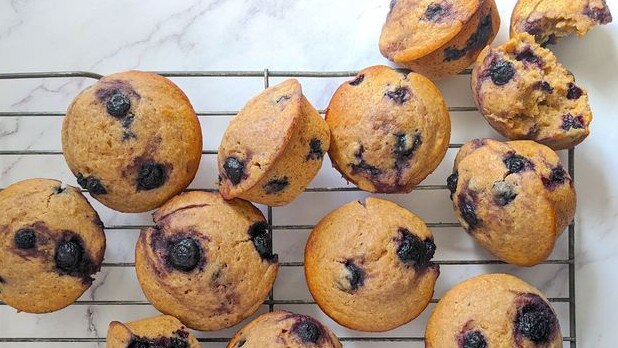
x=234, y=170
x=25, y=238
x=307, y=331
x=504, y=193
x=184, y=254
x=283, y=98
x=262, y=240
x=599, y=14
x=475, y=42
x=118, y=105
x=412, y=250
x=92, y=184
x=140, y=343
x=405, y=148
x=399, y=95
x=568, y=122
x=451, y=182
x=356, y=276
x=453, y=53
x=557, y=177
x=69, y=255
x=574, y=92
x=501, y=71
x=545, y=86
x=473, y=339
x=150, y=176
x=536, y=320
x=362, y=166
x=358, y=80
x=516, y=163
x=276, y=185
x=315, y=150
x=178, y=343
x=434, y=12
x=528, y=56
x=2, y=281
x=468, y=211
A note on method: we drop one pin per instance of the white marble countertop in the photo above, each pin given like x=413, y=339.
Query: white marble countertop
x=109, y=36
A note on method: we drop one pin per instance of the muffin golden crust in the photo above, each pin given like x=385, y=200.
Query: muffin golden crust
x=163, y=331
x=389, y=129
x=514, y=198
x=368, y=265
x=132, y=140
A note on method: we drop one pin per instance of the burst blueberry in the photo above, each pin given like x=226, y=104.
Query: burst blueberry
x=516, y=163
x=535, y=320
x=184, y=254
x=356, y=275
x=412, y=250
x=573, y=92
x=451, y=182
x=473, y=339
x=399, y=95
x=25, y=238
x=434, y=12
x=504, y=193
x=307, y=331
x=315, y=150
x=468, y=211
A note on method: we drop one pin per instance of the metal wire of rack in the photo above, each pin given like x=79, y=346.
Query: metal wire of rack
x=271, y=302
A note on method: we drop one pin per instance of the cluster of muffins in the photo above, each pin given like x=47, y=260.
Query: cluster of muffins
x=134, y=142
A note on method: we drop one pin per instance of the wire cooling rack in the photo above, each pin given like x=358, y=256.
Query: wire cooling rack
x=271, y=302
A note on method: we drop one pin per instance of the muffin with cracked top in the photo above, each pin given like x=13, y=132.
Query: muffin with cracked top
x=132, y=140
x=389, y=129
x=207, y=261
x=283, y=329
x=438, y=38
x=368, y=265
x=514, y=198
x=163, y=331
x=51, y=244
x=493, y=310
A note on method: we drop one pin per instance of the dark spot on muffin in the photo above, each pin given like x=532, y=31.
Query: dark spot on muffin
x=276, y=185
x=574, y=92
x=414, y=251
x=71, y=258
x=126, y=122
x=25, y=239
x=557, y=177
x=118, y=105
x=503, y=192
x=59, y=189
x=552, y=39
x=262, y=241
x=160, y=342
x=399, y=95
x=283, y=98
x=476, y=143
x=451, y=183
x=92, y=184
x=358, y=80
x=234, y=170
x=356, y=275
x=2, y=281
x=600, y=14
x=467, y=209
x=315, y=150
x=362, y=166
x=535, y=320
x=241, y=343
x=151, y=175
x=476, y=41
x=139, y=343
x=528, y=56
x=473, y=339
x=568, y=122
x=501, y=71
x=405, y=147
x=307, y=330
x=184, y=254
x=545, y=87
x=435, y=12
x=516, y=163
x=392, y=5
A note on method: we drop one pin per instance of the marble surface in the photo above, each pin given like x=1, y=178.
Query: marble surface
x=109, y=36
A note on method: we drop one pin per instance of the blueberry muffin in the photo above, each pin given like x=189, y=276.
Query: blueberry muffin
x=163, y=331
x=368, y=265
x=132, y=140
x=207, y=261
x=273, y=148
x=524, y=93
x=282, y=329
x=514, y=198
x=493, y=310
x=438, y=38
x=549, y=20
x=51, y=244
x=389, y=129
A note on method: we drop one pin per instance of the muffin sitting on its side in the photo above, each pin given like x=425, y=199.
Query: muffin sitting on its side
x=273, y=148
x=163, y=331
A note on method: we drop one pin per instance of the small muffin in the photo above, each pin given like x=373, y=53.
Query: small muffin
x=132, y=140
x=207, y=261
x=438, y=38
x=163, y=331
x=285, y=330
x=368, y=265
x=51, y=244
x=389, y=129
x=493, y=310
x=273, y=148
x=514, y=198
x=549, y=20
x=524, y=93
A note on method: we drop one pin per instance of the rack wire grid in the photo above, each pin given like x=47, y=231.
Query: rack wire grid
x=272, y=302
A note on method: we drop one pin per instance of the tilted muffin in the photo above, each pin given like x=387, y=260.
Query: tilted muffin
x=273, y=148
x=524, y=93
x=493, y=311
x=389, y=129
x=549, y=20
x=514, y=198
x=207, y=261
x=368, y=265
x=163, y=331
x=51, y=244
x=282, y=329
x=438, y=38
x=132, y=140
